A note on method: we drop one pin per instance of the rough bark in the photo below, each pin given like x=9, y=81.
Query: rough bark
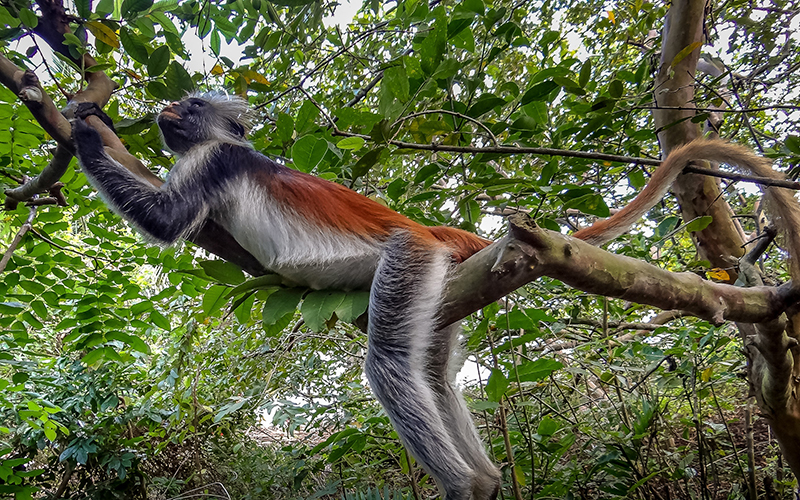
x=530, y=252
x=698, y=195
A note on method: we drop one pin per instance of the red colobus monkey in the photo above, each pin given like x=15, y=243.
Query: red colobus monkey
x=322, y=235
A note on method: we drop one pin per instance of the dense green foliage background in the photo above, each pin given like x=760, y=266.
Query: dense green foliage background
x=130, y=370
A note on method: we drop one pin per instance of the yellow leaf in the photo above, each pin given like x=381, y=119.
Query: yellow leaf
x=133, y=74
x=252, y=76
x=611, y=17
x=680, y=56
x=718, y=274
x=217, y=70
x=103, y=33
x=519, y=475
x=705, y=376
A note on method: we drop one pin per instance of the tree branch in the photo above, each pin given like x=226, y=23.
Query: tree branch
x=588, y=155
x=529, y=252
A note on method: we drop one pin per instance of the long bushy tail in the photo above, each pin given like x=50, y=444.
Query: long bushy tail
x=408, y=366
x=784, y=206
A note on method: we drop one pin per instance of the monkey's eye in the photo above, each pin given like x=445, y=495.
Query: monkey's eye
x=197, y=104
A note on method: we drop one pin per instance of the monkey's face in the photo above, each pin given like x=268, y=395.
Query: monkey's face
x=186, y=124
x=196, y=120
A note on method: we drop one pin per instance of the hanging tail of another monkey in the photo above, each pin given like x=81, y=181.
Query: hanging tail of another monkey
x=784, y=207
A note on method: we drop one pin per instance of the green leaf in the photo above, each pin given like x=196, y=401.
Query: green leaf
x=214, y=299
x=699, y=223
x=465, y=39
x=318, y=307
x=636, y=179
x=397, y=81
x=216, y=43
x=84, y=8
x=133, y=46
x=680, y=56
x=34, y=287
x=280, y=303
x=366, y=162
x=284, y=127
x=304, y=122
x=484, y=104
x=165, y=22
x=28, y=18
x=160, y=320
x=533, y=371
x=447, y=69
x=590, y=204
x=354, y=143
x=229, y=408
x=496, y=386
x=178, y=81
x=308, y=152
x=792, y=143
x=547, y=426
x=433, y=46
x=615, y=89
x=223, y=271
x=538, y=111
x=93, y=356
x=109, y=403
x=475, y=6
x=666, y=226
x=158, y=61
x=339, y=452
x=353, y=305
x=539, y=92
x=136, y=343
x=131, y=7
x=586, y=73
x=268, y=280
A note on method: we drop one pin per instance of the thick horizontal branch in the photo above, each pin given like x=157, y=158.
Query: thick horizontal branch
x=529, y=252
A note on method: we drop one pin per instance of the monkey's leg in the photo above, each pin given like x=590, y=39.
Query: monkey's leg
x=404, y=301
x=457, y=417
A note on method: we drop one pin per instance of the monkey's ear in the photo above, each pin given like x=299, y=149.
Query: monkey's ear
x=237, y=129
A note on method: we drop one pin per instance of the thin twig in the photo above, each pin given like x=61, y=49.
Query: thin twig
x=446, y=112
x=319, y=107
x=787, y=107
x=18, y=238
x=67, y=249
x=587, y=155
x=364, y=90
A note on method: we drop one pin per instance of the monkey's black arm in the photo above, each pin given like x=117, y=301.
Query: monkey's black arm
x=164, y=214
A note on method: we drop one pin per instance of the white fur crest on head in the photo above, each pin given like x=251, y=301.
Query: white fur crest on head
x=231, y=107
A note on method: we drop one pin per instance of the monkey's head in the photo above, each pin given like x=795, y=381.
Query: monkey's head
x=201, y=118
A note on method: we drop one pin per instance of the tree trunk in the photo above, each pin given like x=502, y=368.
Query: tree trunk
x=772, y=350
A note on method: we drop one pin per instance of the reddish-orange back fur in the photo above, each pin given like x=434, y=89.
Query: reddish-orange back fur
x=331, y=205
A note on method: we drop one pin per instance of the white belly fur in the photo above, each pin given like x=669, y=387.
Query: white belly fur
x=296, y=249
